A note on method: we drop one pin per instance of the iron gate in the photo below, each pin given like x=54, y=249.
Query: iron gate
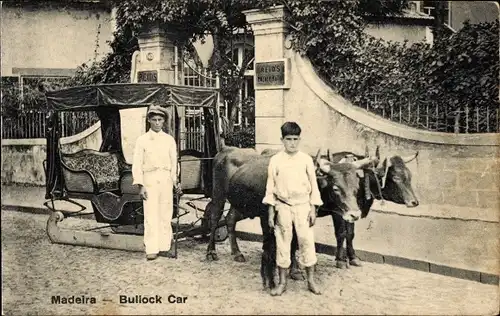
x=192, y=125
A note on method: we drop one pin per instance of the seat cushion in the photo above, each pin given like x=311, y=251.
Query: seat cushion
x=103, y=167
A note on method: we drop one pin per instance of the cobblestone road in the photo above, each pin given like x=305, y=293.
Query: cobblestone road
x=34, y=270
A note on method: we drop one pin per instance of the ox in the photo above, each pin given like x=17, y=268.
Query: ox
x=245, y=186
x=390, y=180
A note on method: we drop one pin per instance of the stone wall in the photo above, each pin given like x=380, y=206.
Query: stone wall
x=22, y=159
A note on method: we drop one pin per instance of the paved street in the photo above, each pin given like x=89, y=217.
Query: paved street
x=34, y=270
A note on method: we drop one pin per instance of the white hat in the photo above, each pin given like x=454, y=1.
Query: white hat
x=156, y=109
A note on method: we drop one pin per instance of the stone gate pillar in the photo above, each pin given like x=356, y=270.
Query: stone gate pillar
x=156, y=57
x=155, y=61
x=272, y=73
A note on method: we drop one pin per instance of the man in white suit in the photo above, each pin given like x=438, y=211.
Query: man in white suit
x=154, y=169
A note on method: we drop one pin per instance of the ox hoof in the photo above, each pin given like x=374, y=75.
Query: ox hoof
x=296, y=275
x=266, y=285
x=239, y=258
x=341, y=264
x=355, y=263
x=212, y=257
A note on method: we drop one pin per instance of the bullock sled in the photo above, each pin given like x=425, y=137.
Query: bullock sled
x=102, y=177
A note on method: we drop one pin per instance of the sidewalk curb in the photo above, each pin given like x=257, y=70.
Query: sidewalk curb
x=368, y=256
x=420, y=265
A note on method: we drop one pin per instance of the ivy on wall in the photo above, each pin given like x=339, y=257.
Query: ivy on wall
x=458, y=74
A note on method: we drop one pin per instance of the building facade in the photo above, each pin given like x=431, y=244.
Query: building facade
x=412, y=26
x=457, y=12
x=51, y=39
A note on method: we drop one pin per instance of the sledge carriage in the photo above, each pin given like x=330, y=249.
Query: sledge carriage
x=103, y=176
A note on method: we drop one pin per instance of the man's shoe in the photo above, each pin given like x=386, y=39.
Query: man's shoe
x=151, y=256
x=167, y=254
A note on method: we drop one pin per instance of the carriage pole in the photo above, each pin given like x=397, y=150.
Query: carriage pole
x=177, y=197
x=177, y=133
x=176, y=205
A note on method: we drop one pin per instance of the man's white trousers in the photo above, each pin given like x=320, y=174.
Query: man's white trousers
x=158, y=210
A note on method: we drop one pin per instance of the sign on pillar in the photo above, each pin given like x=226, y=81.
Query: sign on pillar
x=146, y=76
x=272, y=73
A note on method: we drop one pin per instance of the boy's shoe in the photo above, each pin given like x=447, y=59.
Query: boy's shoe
x=311, y=284
x=167, y=254
x=313, y=288
x=280, y=289
x=151, y=256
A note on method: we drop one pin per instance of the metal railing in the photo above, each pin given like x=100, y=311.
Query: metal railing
x=430, y=115
x=199, y=77
x=32, y=124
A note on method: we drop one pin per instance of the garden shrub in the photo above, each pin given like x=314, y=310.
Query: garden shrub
x=243, y=137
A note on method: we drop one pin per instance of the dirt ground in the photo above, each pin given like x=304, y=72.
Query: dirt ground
x=34, y=270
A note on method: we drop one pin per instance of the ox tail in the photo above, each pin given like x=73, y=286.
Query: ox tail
x=268, y=268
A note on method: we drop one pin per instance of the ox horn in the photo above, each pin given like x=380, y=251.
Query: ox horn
x=377, y=152
x=367, y=152
x=321, y=163
x=330, y=156
x=409, y=158
x=318, y=155
x=363, y=162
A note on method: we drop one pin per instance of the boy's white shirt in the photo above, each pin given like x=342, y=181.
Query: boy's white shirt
x=292, y=179
x=154, y=151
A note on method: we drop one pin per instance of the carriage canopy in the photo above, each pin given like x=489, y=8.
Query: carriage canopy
x=106, y=100
x=129, y=95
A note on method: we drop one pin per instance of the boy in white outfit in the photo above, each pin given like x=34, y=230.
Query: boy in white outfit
x=293, y=196
x=154, y=169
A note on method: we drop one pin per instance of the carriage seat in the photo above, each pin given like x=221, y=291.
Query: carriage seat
x=91, y=171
